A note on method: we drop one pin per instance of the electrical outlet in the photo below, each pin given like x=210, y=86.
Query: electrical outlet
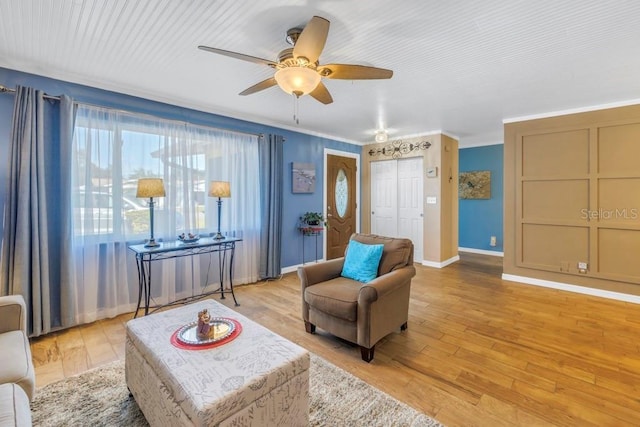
x=582, y=267
x=492, y=241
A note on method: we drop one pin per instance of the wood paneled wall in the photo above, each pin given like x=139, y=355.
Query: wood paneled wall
x=572, y=194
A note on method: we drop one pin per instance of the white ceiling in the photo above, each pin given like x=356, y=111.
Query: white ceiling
x=460, y=66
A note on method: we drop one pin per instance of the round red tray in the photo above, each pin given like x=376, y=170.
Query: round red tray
x=185, y=346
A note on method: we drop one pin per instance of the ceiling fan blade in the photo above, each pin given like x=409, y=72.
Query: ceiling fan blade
x=321, y=93
x=237, y=55
x=312, y=39
x=265, y=84
x=353, y=72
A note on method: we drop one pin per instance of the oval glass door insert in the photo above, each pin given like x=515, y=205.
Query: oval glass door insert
x=341, y=193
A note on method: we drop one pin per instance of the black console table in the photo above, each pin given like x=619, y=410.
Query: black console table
x=167, y=250
x=310, y=231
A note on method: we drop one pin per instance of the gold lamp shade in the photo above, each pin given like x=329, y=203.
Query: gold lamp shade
x=219, y=189
x=150, y=187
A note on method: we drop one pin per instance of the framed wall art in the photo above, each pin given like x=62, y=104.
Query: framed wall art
x=303, y=177
x=474, y=185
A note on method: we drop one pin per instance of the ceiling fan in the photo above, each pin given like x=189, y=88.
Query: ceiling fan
x=298, y=71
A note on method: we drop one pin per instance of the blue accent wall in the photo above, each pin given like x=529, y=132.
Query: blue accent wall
x=299, y=147
x=481, y=219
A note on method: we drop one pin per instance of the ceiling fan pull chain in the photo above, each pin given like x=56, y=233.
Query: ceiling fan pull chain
x=296, y=109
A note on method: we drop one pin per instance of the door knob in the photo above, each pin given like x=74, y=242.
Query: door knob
x=373, y=213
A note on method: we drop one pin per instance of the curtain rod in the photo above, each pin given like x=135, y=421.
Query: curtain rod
x=4, y=89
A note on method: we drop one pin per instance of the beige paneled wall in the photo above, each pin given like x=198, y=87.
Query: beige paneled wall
x=440, y=227
x=572, y=194
x=433, y=215
x=449, y=198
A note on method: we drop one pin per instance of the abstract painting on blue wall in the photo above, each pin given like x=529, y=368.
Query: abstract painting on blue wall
x=474, y=185
x=304, y=177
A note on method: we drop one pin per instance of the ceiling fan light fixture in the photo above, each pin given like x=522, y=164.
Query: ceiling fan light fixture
x=298, y=70
x=297, y=80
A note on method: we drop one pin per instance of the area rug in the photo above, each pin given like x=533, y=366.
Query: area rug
x=336, y=398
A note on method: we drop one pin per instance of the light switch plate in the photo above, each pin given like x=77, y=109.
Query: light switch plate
x=431, y=200
x=432, y=172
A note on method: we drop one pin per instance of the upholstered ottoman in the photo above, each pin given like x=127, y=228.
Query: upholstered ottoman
x=259, y=378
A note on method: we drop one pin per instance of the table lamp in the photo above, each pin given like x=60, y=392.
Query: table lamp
x=150, y=187
x=219, y=189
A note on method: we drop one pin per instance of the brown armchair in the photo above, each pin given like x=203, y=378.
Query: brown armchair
x=361, y=313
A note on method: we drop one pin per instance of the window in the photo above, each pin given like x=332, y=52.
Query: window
x=114, y=149
x=111, y=151
x=341, y=193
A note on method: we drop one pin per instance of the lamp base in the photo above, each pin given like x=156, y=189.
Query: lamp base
x=151, y=244
x=218, y=236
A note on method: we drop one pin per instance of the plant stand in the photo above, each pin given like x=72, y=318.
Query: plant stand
x=310, y=230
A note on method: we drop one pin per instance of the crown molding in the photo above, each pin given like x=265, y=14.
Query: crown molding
x=480, y=144
x=572, y=111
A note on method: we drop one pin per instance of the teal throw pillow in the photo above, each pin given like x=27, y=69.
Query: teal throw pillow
x=361, y=262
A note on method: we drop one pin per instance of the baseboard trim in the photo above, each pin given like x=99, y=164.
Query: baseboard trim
x=294, y=268
x=290, y=269
x=441, y=264
x=481, y=251
x=635, y=299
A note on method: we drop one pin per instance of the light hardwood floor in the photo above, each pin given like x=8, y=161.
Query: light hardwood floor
x=478, y=350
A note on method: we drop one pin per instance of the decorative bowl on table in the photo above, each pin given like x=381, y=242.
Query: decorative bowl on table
x=221, y=328
x=188, y=238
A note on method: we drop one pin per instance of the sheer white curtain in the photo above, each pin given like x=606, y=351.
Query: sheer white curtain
x=112, y=150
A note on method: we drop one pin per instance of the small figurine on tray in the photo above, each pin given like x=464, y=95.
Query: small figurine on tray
x=204, y=330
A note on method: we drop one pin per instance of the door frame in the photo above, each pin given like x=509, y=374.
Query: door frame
x=327, y=152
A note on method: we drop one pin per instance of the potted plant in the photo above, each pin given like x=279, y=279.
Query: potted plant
x=310, y=223
x=312, y=219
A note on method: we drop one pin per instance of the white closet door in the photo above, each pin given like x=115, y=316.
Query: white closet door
x=396, y=200
x=410, y=207
x=384, y=198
